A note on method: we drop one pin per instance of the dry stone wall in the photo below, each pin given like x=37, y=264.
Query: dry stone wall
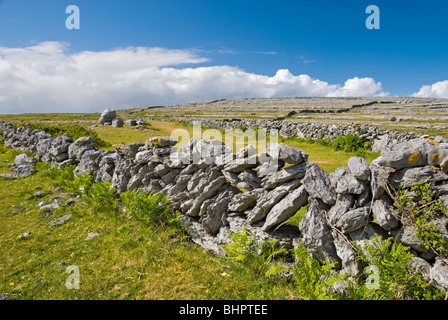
x=205, y=180
x=378, y=137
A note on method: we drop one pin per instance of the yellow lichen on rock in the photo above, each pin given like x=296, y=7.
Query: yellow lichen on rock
x=436, y=157
x=413, y=158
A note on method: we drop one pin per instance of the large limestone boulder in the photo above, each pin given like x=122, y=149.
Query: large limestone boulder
x=107, y=116
x=413, y=153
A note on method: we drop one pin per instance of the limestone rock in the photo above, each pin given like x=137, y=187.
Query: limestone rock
x=117, y=123
x=405, y=178
x=353, y=220
x=60, y=220
x=286, y=153
x=317, y=184
x=316, y=233
x=243, y=201
x=379, y=179
x=286, y=208
x=411, y=153
x=208, y=192
x=439, y=275
x=359, y=168
x=286, y=174
x=24, y=166
x=108, y=115
x=385, y=213
x=268, y=200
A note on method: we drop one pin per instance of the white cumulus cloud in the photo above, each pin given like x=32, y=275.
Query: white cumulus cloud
x=436, y=90
x=45, y=78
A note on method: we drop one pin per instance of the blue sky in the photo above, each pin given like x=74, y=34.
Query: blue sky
x=326, y=40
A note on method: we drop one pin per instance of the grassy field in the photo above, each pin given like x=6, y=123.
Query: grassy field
x=134, y=260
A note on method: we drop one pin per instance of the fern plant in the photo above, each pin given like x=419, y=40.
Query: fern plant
x=102, y=197
x=261, y=256
x=314, y=279
x=397, y=278
x=151, y=209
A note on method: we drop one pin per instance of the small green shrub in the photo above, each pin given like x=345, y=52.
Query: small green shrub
x=349, y=143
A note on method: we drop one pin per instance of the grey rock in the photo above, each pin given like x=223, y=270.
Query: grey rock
x=350, y=264
x=408, y=236
x=407, y=154
x=24, y=166
x=317, y=237
x=60, y=220
x=359, y=168
x=317, y=184
x=48, y=212
x=91, y=235
x=108, y=115
x=268, y=200
x=269, y=167
x=213, y=216
x=70, y=201
x=344, y=203
x=439, y=275
x=206, y=177
x=286, y=153
x=39, y=194
x=241, y=164
x=209, y=191
x=364, y=235
x=385, y=213
x=347, y=183
x=363, y=199
x=143, y=157
x=9, y=176
x=407, y=177
x=161, y=170
x=131, y=122
x=243, y=201
x=286, y=208
x=293, y=172
x=379, y=179
x=248, y=180
x=49, y=206
x=117, y=123
x=423, y=266
x=353, y=220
